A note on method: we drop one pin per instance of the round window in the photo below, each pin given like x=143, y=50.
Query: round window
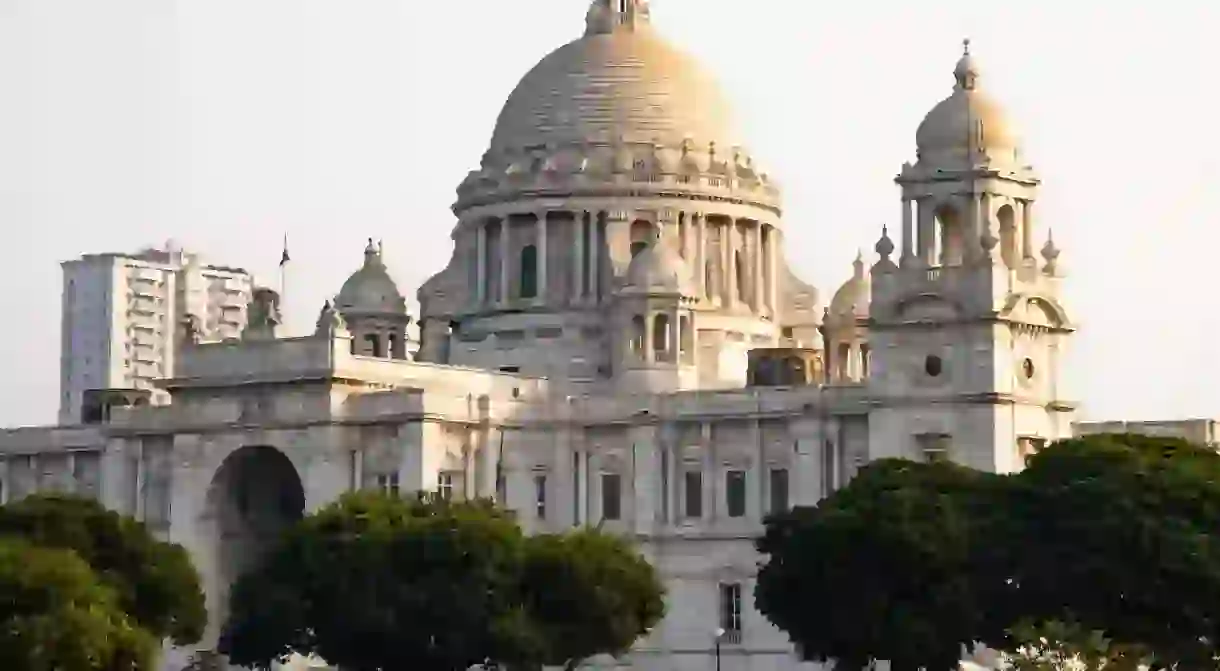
x=1027, y=368
x=933, y=365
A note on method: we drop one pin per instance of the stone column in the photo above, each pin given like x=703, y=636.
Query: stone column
x=1027, y=228
x=728, y=269
x=650, y=350
x=756, y=265
x=504, y=261
x=578, y=241
x=773, y=256
x=908, y=233
x=927, y=231
x=480, y=262
x=541, y=253
x=700, y=270
x=591, y=287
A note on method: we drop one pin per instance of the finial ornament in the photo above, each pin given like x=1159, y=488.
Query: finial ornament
x=884, y=246
x=1050, y=253
x=966, y=73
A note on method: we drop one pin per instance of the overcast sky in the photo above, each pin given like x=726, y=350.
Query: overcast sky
x=224, y=124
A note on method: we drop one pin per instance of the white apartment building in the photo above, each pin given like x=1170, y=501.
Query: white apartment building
x=123, y=315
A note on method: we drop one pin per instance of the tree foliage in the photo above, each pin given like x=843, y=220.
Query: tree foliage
x=1111, y=533
x=881, y=569
x=376, y=582
x=154, y=581
x=588, y=593
x=57, y=615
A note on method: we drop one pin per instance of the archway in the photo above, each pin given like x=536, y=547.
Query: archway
x=254, y=497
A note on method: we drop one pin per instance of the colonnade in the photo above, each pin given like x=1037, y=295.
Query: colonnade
x=733, y=261
x=961, y=222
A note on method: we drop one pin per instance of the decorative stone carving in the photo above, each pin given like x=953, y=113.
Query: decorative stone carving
x=263, y=315
x=330, y=322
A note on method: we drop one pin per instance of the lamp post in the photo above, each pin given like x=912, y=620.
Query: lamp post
x=719, y=636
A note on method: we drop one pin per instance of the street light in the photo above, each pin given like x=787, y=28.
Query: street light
x=719, y=637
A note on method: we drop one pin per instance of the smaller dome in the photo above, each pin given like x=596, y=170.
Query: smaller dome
x=852, y=299
x=659, y=269
x=967, y=121
x=370, y=290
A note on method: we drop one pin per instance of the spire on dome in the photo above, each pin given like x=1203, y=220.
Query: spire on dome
x=967, y=72
x=372, y=254
x=608, y=16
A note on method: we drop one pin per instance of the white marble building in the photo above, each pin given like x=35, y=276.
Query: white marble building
x=617, y=340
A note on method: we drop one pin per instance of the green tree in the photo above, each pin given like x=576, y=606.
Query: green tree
x=155, y=581
x=378, y=582
x=1109, y=533
x=588, y=593
x=56, y=615
x=882, y=569
x=1118, y=531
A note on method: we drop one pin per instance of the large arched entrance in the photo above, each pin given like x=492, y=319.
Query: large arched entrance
x=254, y=497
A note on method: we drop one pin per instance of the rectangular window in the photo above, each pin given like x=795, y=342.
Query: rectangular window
x=735, y=493
x=444, y=485
x=829, y=464
x=576, y=489
x=693, y=494
x=934, y=448
x=540, y=496
x=388, y=483
x=730, y=611
x=778, y=486
x=612, y=496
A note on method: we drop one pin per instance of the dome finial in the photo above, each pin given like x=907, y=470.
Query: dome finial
x=608, y=16
x=372, y=253
x=966, y=73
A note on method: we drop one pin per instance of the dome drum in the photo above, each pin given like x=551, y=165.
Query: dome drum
x=629, y=169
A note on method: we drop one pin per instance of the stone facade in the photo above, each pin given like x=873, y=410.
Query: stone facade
x=585, y=355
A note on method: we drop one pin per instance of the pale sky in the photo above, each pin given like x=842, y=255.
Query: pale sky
x=224, y=124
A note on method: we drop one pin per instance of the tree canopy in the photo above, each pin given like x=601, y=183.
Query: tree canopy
x=377, y=582
x=57, y=615
x=1111, y=533
x=374, y=582
x=154, y=581
x=588, y=593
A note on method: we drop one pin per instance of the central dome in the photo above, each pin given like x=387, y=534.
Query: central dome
x=621, y=80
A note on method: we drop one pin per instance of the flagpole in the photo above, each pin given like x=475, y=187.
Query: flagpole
x=284, y=259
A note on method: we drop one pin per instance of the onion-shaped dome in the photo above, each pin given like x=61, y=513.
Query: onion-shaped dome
x=968, y=123
x=370, y=290
x=659, y=269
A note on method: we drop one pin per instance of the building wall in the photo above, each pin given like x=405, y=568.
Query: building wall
x=121, y=316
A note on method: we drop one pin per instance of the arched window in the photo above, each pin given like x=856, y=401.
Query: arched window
x=951, y=236
x=844, y=372
x=660, y=337
x=529, y=271
x=637, y=334
x=641, y=236
x=1008, y=236
x=373, y=345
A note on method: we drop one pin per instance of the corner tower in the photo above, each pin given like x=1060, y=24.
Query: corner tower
x=968, y=330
